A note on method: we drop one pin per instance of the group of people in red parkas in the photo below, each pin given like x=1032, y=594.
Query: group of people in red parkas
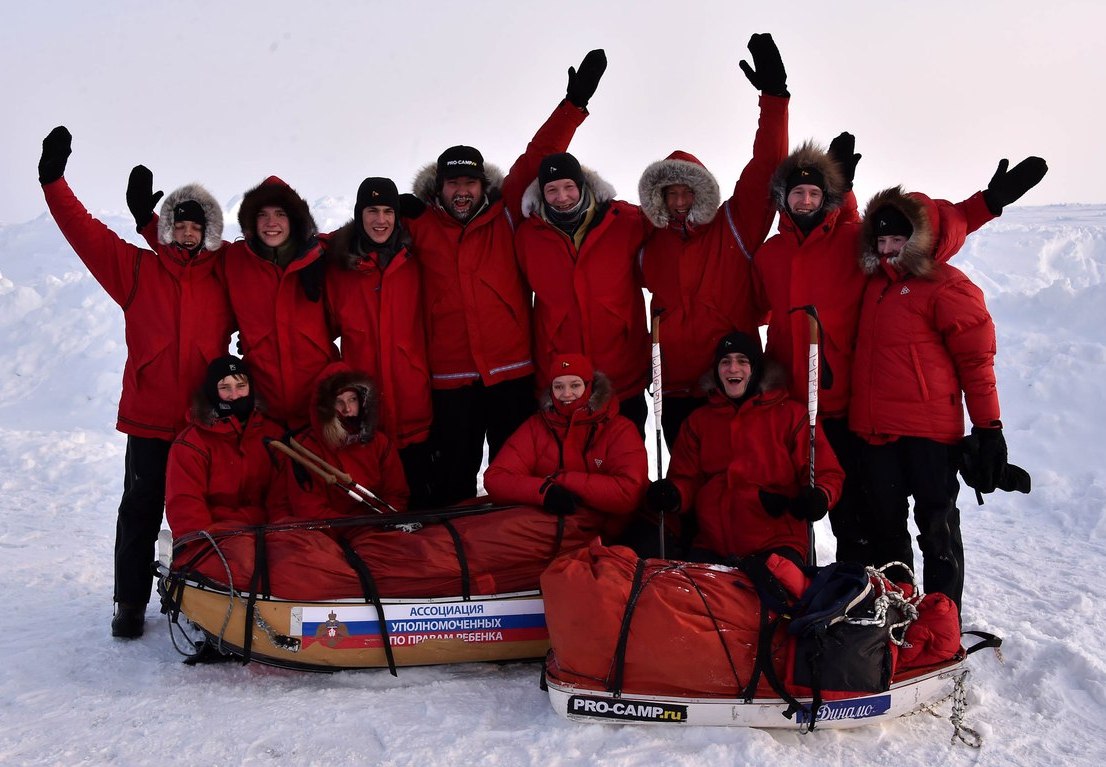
x=509, y=309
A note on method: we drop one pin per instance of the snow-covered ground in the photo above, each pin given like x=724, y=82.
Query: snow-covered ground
x=70, y=694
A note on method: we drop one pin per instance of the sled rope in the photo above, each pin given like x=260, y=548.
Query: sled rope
x=959, y=698
x=890, y=595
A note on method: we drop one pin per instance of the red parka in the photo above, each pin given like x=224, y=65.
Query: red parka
x=369, y=457
x=285, y=336
x=220, y=474
x=176, y=314
x=926, y=342
x=588, y=300
x=477, y=311
x=726, y=453
x=379, y=316
x=820, y=269
x=700, y=271
x=596, y=454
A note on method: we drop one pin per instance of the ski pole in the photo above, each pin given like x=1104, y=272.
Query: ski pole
x=331, y=476
x=814, y=333
x=343, y=476
x=658, y=408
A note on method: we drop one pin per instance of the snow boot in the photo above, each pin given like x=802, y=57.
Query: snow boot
x=129, y=620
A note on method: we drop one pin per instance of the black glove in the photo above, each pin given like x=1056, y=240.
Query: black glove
x=983, y=457
x=663, y=497
x=311, y=278
x=56, y=148
x=769, y=76
x=1007, y=186
x=842, y=150
x=557, y=500
x=774, y=503
x=410, y=206
x=811, y=504
x=141, y=197
x=1014, y=479
x=583, y=82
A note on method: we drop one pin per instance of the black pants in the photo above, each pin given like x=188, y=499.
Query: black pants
x=848, y=518
x=925, y=470
x=676, y=411
x=139, y=520
x=463, y=419
x=636, y=408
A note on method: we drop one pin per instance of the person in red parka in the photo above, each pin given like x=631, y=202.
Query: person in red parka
x=477, y=310
x=925, y=349
x=577, y=455
x=274, y=277
x=697, y=262
x=374, y=302
x=741, y=463
x=577, y=249
x=221, y=476
x=177, y=319
x=344, y=433
x=811, y=262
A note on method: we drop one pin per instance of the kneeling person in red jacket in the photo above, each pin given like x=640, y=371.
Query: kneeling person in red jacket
x=740, y=463
x=577, y=455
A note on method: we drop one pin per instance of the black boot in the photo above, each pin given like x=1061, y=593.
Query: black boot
x=129, y=620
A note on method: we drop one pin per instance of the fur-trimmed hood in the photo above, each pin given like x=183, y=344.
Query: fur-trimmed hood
x=335, y=379
x=601, y=192
x=341, y=244
x=213, y=215
x=273, y=191
x=679, y=168
x=916, y=256
x=810, y=155
x=425, y=185
x=602, y=392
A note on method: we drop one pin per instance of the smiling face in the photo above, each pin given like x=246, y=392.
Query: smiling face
x=461, y=195
x=233, y=387
x=804, y=199
x=273, y=226
x=378, y=221
x=561, y=195
x=679, y=199
x=734, y=371
x=187, y=234
x=568, y=388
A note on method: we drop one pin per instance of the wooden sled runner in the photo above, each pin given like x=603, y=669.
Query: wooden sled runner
x=454, y=586
x=346, y=634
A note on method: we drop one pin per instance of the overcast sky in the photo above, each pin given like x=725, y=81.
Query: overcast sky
x=325, y=93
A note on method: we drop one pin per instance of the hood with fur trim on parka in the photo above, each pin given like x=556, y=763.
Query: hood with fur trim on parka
x=425, y=185
x=274, y=191
x=679, y=168
x=811, y=155
x=940, y=230
x=337, y=378
x=602, y=392
x=213, y=215
x=601, y=191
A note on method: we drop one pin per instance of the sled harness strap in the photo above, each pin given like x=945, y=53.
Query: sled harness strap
x=258, y=583
x=462, y=560
x=372, y=596
x=615, y=685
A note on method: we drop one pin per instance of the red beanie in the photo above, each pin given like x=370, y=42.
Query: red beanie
x=572, y=365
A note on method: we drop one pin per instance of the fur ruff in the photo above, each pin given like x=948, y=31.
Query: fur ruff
x=213, y=215
x=916, y=256
x=601, y=191
x=601, y=393
x=425, y=185
x=326, y=416
x=673, y=170
x=273, y=191
x=341, y=248
x=774, y=377
x=810, y=155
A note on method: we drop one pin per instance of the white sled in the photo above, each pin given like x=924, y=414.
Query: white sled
x=922, y=689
